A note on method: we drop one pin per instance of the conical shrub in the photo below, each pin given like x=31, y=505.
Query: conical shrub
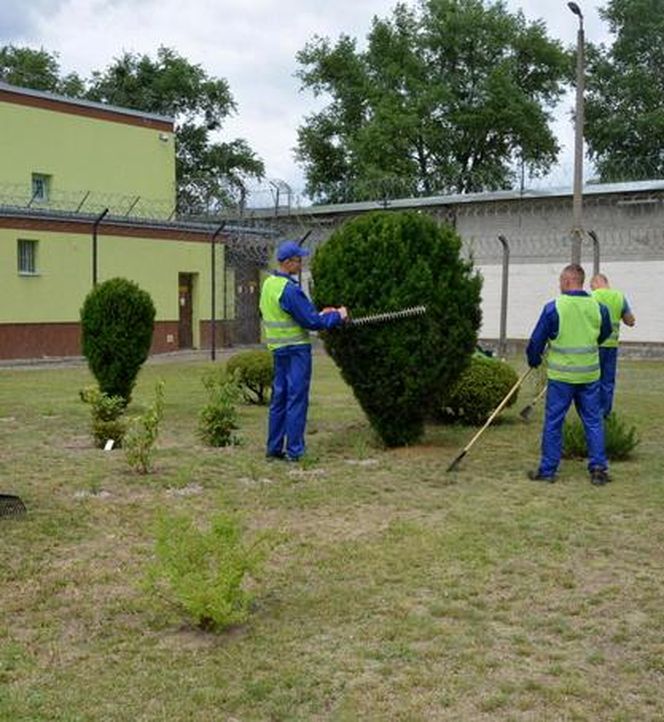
x=388, y=261
x=117, y=322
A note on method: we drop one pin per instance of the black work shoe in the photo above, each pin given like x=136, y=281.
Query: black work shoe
x=278, y=456
x=599, y=477
x=536, y=476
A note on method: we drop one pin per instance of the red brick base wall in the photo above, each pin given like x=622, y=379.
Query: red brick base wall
x=39, y=340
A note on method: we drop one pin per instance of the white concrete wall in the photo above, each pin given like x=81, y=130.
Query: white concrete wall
x=532, y=285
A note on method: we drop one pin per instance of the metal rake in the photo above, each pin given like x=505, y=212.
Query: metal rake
x=11, y=505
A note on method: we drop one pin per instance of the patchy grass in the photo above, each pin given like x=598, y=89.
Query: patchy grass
x=398, y=592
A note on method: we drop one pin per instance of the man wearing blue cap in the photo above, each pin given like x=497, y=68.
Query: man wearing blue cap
x=288, y=316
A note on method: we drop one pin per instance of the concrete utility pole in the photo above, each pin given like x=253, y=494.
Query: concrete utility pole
x=577, y=230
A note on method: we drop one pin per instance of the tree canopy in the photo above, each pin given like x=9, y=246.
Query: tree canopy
x=447, y=97
x=37, y=69
x=209, y=174
x=625, y=93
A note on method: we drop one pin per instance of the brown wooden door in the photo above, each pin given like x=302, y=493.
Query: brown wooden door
x=185, y=326
x=247, y=293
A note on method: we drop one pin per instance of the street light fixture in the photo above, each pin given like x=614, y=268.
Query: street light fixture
x=577, y=231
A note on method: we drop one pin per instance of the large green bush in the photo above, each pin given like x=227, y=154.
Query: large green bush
x=478, y=391
x=386, y=261
x=253, y=371
x=117, y=321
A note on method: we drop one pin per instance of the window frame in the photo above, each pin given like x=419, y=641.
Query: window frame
x=45, y=181
x=30, y=268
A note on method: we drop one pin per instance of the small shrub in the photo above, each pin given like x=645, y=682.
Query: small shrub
x=218, y=419
x=203, y=571
x=620, y=440
x=107, y=420
x=117, y=321
x=479, y=391
x=254, y=371
x=140, y=439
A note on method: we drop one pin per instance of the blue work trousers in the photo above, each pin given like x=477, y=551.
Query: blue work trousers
x=290, y=401
x=608, y=361
x=559, y=397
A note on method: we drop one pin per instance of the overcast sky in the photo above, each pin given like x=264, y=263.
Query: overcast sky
x=250, y=43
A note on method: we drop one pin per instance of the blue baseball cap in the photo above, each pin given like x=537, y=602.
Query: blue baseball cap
x=291, y=249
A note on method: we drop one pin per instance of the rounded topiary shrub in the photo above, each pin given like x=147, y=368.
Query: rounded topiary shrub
x=253, y=371
x=478, y=391
x=387, y=261
x=117, y=321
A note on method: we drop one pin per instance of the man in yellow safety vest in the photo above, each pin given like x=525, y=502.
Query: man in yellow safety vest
x=619, y=310
x=288, y=316
x=572, y=326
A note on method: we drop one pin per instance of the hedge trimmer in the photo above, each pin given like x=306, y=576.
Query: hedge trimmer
x=387, y=317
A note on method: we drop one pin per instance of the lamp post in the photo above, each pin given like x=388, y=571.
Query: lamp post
x=577, y=230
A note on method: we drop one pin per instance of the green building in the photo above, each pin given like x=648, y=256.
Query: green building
x=87, y=193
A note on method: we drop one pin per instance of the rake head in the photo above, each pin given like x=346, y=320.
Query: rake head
x=11, y=505
x=526, y=412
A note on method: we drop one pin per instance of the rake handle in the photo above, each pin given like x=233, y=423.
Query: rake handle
x=525, y=411
x=495, y=413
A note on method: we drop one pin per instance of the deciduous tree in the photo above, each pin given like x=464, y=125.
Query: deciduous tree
x=446, y=97
x=625, y=93
x=209, y=174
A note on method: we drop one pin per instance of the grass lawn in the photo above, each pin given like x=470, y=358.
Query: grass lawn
x=397, y=592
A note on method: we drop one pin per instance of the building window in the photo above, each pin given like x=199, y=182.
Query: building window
x=40, y=187
x=26, y=252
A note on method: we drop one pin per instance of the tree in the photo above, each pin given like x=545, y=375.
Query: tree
x=385, y=261
x=117, y=322
x=37, y=69
x=447, y=97
x=209, y=174
x=625, y=93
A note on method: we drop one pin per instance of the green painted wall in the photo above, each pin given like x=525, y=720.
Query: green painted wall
x=87, y=154
x=64, y=274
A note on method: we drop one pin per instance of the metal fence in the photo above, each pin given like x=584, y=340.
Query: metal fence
x=519, y=246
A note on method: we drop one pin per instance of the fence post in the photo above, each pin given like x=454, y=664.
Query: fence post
x=95, y=227
x=502, y=343
x=213, y=289
x=595, y=241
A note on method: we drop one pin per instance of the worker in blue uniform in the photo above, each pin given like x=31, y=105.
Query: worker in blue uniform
x=572, y=326
x=288, y=316
x=619, y=310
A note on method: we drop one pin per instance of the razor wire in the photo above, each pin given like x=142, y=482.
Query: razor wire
x=78, y=202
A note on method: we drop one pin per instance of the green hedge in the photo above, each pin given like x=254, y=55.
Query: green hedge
x=479, y=391
x=253, y=371
x=386, y=261
x=117, y=322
